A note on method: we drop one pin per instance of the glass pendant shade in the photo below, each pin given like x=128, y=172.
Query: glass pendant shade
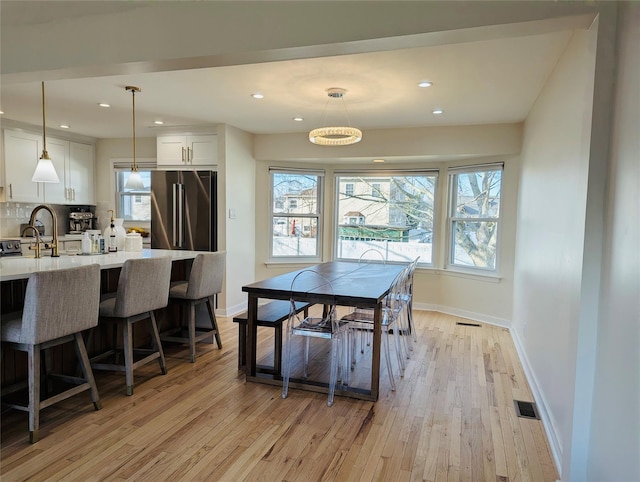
x=134, y=181
x=45, y=172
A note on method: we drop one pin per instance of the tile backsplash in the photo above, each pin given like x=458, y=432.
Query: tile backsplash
x=12, y=215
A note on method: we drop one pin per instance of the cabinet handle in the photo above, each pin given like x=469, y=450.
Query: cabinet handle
x=182, y=154
x=190, y=154
x=11, y=191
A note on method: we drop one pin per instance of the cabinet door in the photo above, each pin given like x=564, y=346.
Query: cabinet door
x=80, y=174
x=203, y=150
x=171, y=150
x=22, y=151
x=59, y=153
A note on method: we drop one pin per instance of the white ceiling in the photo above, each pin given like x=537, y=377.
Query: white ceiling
x=480, y=82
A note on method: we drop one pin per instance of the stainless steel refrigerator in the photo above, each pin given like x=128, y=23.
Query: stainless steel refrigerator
x=184, y=210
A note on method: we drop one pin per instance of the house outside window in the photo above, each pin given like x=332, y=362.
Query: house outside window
x=474, y=217
x=348, y=189
x=295, y=214
x=390, y=212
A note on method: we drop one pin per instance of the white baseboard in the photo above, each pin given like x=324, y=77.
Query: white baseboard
x=547, y=421
x=492, y=320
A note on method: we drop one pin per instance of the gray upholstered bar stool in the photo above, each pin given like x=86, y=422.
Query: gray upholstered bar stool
x=58, y=307
x=143, y=287
x=205, y=281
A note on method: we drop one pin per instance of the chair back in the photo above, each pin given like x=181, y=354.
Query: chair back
x=371, y=255
x=207, y=273
x=59, y=303
x=143, y=286
x=308, y=280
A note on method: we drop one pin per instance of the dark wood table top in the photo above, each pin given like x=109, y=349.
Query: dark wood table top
x=352, y=284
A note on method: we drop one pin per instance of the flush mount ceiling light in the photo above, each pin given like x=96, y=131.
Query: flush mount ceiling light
x=45, y=172
x=335, y=135
x=134, y=181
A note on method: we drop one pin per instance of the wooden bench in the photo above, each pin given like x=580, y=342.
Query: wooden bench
x=271, y=315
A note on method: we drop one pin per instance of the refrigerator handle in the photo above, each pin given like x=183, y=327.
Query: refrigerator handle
x=174, y=216
x=180, y=214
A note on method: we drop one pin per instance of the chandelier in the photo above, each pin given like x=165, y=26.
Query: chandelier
x=335, y=135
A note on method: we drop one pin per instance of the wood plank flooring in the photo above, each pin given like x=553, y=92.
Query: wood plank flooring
x=451, y=419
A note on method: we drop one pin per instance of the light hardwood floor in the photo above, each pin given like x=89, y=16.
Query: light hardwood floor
x=452, y=418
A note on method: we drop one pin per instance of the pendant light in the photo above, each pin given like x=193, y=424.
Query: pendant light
x=335, y=135
x=45, y=172
x=134, y=181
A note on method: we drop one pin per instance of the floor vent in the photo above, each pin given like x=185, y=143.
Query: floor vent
x=462, y=323
x=526, y=409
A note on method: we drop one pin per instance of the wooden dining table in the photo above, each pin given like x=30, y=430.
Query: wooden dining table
x=360, y=285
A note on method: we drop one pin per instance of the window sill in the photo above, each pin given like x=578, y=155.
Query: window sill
x=489, y=278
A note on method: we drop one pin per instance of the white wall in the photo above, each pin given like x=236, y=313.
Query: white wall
x=614, y=449
x=236, y=192
x=550, y=236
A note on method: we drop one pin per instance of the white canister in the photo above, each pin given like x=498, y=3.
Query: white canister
x=133, y=242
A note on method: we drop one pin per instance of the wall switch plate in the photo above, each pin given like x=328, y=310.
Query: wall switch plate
x=232, y=213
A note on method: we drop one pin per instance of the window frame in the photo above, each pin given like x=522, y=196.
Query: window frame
x=318, y=215
x=452, y=219
x=118, y=169
x=386, y=173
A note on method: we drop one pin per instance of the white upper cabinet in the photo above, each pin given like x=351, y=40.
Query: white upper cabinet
x=21, y=153
x=187, y=151
x=73, y=162
x=80, y=174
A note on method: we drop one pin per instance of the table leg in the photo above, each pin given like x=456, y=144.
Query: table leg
x=252, y=335
x=375, y=358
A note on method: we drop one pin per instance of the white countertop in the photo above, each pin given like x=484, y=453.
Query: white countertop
x=20, y=267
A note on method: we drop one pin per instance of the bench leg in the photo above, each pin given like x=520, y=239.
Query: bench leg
x=242, y=345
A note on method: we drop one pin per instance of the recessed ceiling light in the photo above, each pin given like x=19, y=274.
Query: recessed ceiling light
x=158, y=122
x=378, y=160
x=437, y=111
x=257, y=95
x=64, y=126
x=1, y=112
x=425, y=83
x=104, y=104
x=298, y=119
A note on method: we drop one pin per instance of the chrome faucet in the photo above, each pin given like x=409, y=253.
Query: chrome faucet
x=53, y=246
x=37, y=247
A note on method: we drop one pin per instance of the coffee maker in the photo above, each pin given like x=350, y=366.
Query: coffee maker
x=81, y=218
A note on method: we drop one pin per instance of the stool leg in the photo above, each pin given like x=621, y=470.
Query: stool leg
x=214, y=323
x=127, y=335
x=34, y=392
x=156, y=337
x=81, y=352
x=192, y=330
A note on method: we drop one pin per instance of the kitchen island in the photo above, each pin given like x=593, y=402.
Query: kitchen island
x=14, y=275
x=20, y=267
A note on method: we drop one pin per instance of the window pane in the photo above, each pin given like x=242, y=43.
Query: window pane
x=296, y=237
x=478, y=194
x=475, y=244
x=135, y=207
x=295, y=214
x=393, y=214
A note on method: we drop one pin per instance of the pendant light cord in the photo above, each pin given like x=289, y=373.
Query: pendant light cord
x=44, y=134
